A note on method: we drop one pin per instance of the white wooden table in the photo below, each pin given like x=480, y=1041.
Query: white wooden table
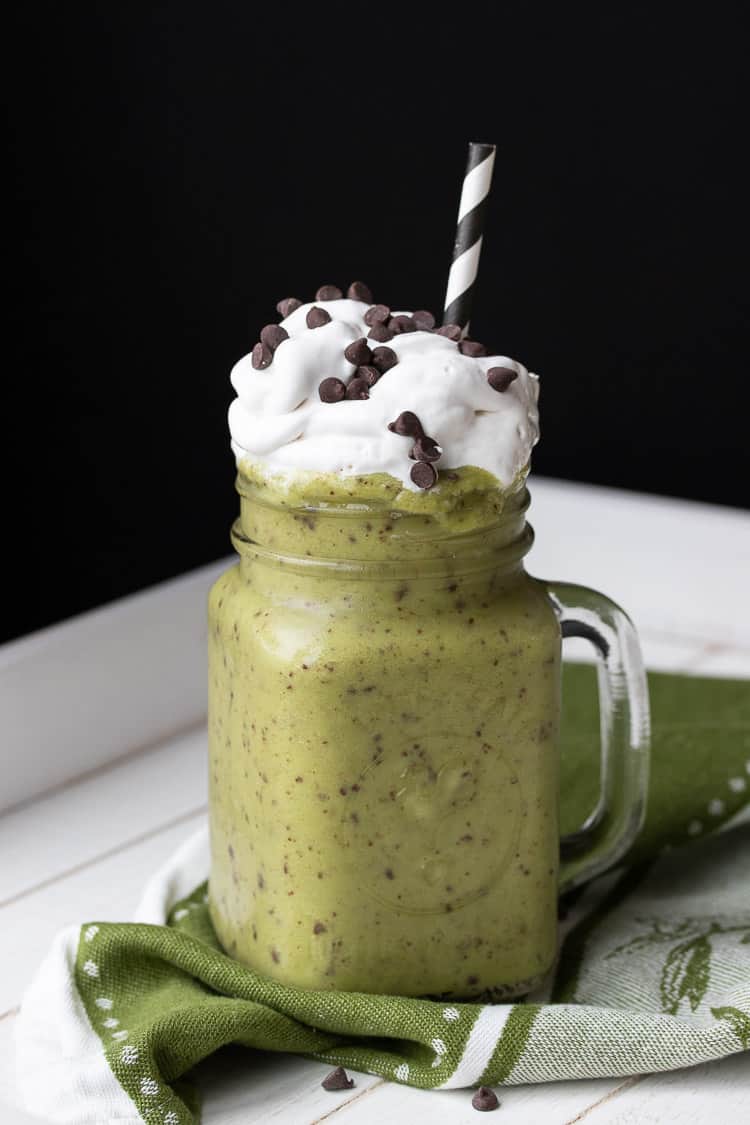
x=102, y=774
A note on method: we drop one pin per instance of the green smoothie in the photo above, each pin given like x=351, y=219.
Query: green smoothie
x=383, y=717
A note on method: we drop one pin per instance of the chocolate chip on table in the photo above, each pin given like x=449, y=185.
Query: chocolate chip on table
x=500, y=378
x=369, y=374
x=424, y=475
x=401, y=323
x=377, y=314
x=332, y=390
x=329, y=293
x=287, y=306
x=317, y=317
x=358, y=291
x=358, y=388
x=471, y=348
x=485, y=1099
x=423, y=320
x=358, y=352
x=380, y=333
x=384, y=359
x=338, y=1079
x=273, y=335
x=262, y=356
x=452, y=331
x=407, y=425
x=425, y=449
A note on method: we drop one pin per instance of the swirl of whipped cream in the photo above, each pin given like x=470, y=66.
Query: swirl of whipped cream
x=278, y=421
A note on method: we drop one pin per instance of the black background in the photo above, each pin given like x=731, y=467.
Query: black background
x=177, y=168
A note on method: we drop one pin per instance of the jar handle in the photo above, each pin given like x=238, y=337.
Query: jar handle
x=610, y=829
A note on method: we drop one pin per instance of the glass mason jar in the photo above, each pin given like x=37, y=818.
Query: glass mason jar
x=384, y=709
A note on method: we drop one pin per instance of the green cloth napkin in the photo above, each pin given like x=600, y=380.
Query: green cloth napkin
x=653, y=975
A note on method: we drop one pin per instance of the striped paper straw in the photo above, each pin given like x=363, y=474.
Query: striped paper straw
x=468, y=243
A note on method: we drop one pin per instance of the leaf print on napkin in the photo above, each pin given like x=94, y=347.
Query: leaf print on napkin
x=685, y=974
x=739, y=1021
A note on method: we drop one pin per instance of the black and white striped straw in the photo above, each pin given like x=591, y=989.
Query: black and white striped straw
x=468, y=245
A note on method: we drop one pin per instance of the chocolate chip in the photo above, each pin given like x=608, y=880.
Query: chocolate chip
x=424, y=320
x=287, y=306
x=273, y=335
x=369, y=374
x=262, y=356
x=425, y=449
x=485, y=1099
x=452, y=331
x=319, y=928
x=472, y=348
x=358, y=291
x=407, y=425
x=423, y=475
x=316, y=317
x=358, y=352
x=401, y=323
x=500, y=378
x=358, y=388
x=377, y=314
x=332, y=390
x=338, y=1079
x=381, y=333
x=384, y=359
x=329, y=293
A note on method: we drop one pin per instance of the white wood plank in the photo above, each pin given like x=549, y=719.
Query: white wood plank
x=716, y=1093
x=101, y=813
x=669, y=654
x=553, y=1103
x=663, y=653
x=724, y=661
x=660, y=653
x=673, y=565
x=241, y=1087
x=105, y=891
x=80, y=694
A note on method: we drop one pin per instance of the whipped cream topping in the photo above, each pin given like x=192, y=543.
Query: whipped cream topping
x=279, y=422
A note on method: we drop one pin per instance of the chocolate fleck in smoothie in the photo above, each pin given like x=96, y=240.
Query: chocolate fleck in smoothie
x=384, y=675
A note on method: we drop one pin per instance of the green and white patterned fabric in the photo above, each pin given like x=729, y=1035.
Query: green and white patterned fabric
x=653, y=973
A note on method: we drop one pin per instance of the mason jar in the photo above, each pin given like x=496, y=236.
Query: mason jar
x=384, y=713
